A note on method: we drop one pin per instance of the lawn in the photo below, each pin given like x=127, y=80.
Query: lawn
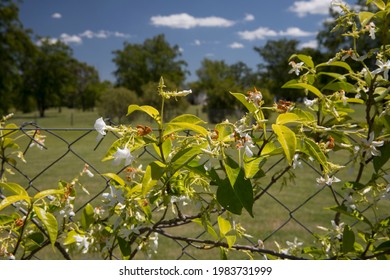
x=293, y=207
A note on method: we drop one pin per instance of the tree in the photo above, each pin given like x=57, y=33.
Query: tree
x=139, y=64
x=49, y=76
x=217, y=79
x=114, y=102
x=15, y=50
x=85, y=87
x=274, y=72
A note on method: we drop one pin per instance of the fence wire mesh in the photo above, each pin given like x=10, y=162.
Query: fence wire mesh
x=288, y=204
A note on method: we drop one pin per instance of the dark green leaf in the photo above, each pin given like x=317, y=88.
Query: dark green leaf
x=87, y=216
x=348, y=239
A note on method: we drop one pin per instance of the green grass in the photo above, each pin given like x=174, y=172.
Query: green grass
x=284, y=207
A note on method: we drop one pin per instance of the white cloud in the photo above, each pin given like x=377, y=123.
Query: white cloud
x=71, y=39
x=197, y=42
x=265, y=32
x=186, y=21
x=236, y=45
x=249, y=17
x=310, y=44
x=259, y=33
x=56, y=15
x=295, y=32
x=103, y=34
x=313, y=7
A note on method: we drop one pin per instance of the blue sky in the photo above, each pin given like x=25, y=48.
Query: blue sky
x=215, y=29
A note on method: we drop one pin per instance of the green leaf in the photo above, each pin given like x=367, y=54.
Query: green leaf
x=242, y=187
x=287, y=118
x=227, y=197
x=9, y=143
x=287, y=139
x=336, y=86
x=14, y=188
x=354, y=214
x=348, y=239
x=242, y=98
x=224, y=226
x=151, y=111
x=354, y=185
x=49, y=222
x=303, y=86
x=381, y=160
x=365, y=17
x=12, y=199
x=341, y=64
x=312, y=149
x=116, y=178
x=125, y=248
x=184, y=156
x=45, y=193
x=87, y=218
x=185, y=122
x=333, y=75
x=225, y=130
x=6, y=219
x=153, y=173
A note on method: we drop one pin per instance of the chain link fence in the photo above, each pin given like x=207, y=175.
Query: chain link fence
x=289, y=203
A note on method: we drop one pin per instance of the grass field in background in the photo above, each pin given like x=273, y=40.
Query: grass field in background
x=279, y=206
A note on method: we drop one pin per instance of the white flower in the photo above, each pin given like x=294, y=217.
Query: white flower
x=327, y=180
x=296, y=162
x=296, y=67
x=370, y=145
x=101, y=127
x=248, y=144
x=383, y=67
x=338, y=229
x=82, y=242
x=87, y=171
x=169, y=94
x=122, y=154
x=295, y=244
x=371, y=30
x=310, y=103
x=114, y=196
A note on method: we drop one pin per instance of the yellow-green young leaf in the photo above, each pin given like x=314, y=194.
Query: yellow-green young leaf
x=14, y=188
x=379, y=3
x=153, y=173
x=208, y=227
x=49, y=222
x=287, y=118
x=287, y=139
x=12, y=199
x=252, y=167
x=312, y=149
x=224, y=226
x=87, y=216
x=45, y=193
x=242, y=98
x=185, y=122
x=308, y=87
x=365, y=17
x=116, y=178
x=224, y=131
x=9, y=143
x=151, y=111
x=230, y=239
x=305, y=59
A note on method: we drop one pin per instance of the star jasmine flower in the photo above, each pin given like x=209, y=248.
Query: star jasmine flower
x=82, y=242
x=383, y=67
x=338, y=228
x=370, y=145
x=123, y=154
x=327, y=180
x=371, y=30
x=296, y=161
x=296, y=67
x=310, y=103
x=101, y=127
